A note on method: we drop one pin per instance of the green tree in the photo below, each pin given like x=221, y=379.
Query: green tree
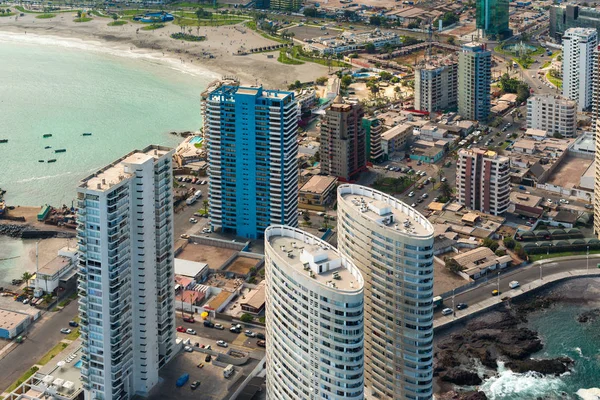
x=246, y=317
x=452, y=265
x=451, y=40
x=205, y=204
x=26, y=277
x=509, y=243
x=310, y=12
x=446, y=190
x=520, y=252
x=79, y=14
x=491, y=244
x=385, y=76
x=115, y=17
x=376, y=20
x=370, y=48
x=500, y=253
x=346, y=81
x=321, y=80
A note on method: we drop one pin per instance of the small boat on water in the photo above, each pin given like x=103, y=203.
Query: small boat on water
x=41, y=161
x=47, y=135
x=60, y=150
x=52, y=160
x=48, y=147
x=87, y=134
x=3, y=140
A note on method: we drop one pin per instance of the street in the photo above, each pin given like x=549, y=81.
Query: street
x=44, y=335
x=523, y=275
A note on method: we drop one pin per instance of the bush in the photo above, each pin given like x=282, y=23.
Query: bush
x=500, y=253
x=187, y=37
x=246, y=317
x=321, y=80
x=261, y=320
x=491, y=244
x=452, y=265
x=509, y=243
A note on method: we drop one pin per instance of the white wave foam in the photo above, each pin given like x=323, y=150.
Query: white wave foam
x=589, y=394
x=578, y=350
x=529, y=385
x=113, y=49
x=41, y=178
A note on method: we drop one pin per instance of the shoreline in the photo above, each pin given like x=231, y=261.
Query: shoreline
x=214, y=56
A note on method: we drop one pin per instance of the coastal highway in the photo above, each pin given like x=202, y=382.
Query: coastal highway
x=523, y=275
x=44, y=335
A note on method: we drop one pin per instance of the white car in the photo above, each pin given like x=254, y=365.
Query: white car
x=66, y=331
x=188, y=349
x=190, y=331
x=250, y=334
x=444, y=179
x=193, y=220
x=219, y=327
x=411, y=194
x=413, y=205
x=206, y=230
x=563, y=201
x=424, y=195
x=222, y=343
x=514, y=284
x=447, y=311
x=549, y=201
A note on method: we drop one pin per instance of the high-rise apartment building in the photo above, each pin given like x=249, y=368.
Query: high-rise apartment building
x=474, y=78
x=392, y=246
x=373, y=129
x=566, y=16
x=492, y=18
x=284, y=5
x=126, y=278
x=436, y=87
x=551, y=113
x=252, y=138
x=483, y=181
x=343, y=147
x=579, y=45
x=314, y=319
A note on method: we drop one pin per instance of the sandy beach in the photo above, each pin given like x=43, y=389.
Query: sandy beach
x=222, y=43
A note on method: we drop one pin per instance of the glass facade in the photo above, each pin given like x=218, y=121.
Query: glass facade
x=492, y=18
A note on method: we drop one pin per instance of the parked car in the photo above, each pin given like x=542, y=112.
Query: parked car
x=589, y=206
x=190, y=331
x=234, y=329
x=207, y=358
x=191, y=320
x=185, y=236
x=411, y=194
x=514, y=284
x=180, y=329
x=563, y=201
x=260, y=336
x=260, y=343
x=222, y=343
x=66, y=331
x=188, y=349
x=447, y=311
x=73, y=324
x=219, y=327
x=250, y=333
x=206, y=230
x=195, y=385
x=413, y=205
x=495, y=292
x=424, y=195
x=461, y=306
x=443, y=179
x=193, y=220
x=209, y=324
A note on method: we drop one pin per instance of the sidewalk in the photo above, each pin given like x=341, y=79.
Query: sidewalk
x=482, y=306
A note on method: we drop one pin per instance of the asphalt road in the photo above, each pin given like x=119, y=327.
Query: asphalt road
x=523, y=275
x=44, y=335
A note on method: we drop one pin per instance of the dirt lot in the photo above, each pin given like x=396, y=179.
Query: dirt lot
x=369, y=3
x=215, y=257
x=444, y=280
x=310, y=32
x=568, y=173
x=242, y=265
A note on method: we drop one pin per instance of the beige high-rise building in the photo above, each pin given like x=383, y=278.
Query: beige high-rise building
x=579, y=45
x=474, y=76
x=554, y=114
x=436, y=87
x=343, y=147
x=392, y=246
x=483, y=181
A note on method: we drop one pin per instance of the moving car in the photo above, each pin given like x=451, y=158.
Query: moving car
x=190, y=331
x=462, y=306
x=219, y=327
x=66, y=331
x=514, y=284
x=495, y=292
x=222, y=343
x=195, y=385
x=191, y=320
x=447, y=311
x=180, y=329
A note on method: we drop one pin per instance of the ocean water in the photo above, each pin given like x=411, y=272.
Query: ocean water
x=66, y=87
x=562, y=335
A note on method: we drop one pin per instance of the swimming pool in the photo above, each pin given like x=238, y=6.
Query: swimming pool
x=196, y=139
x=78, y=364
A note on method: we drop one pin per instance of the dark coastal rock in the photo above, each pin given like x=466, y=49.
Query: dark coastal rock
x=460, y=376
x=452, y=395
x=555, y=366
x=589, y=316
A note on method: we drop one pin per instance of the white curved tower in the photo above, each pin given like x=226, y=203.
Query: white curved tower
x=392, y=245
x=314, y=319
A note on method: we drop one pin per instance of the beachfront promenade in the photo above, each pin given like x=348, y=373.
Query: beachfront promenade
x=530, y=278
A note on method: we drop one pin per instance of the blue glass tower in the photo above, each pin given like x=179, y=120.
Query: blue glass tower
x=252, y=137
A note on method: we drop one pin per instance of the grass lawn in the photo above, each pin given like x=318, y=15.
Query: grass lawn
x=547, y=64
x=45, y=16
x=52, y=353
x=252, y=25
x=73, y=335
x=391, y=185
x=22, y=379
x=153, y=27
x=505, y=145
x=117, y=23
x=24, y=10
x=7, y=14
x=555, y=81
x=537, y=257
x=298, y=54
x=284, y=59
x=83, y=19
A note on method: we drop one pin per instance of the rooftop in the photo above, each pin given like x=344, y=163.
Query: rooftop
x=10, y=320
x=318, y=184
x=189, y=268
x=256, y=298
x=397, y=130
x=309, y=255
x=55, y=266
x=386, y=210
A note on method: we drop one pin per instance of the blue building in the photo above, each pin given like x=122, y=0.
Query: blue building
x=252, y=146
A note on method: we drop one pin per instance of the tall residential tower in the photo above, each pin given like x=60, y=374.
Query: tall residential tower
x=579, y=45
x=126, y=278
x=492, y=18
x=436, y=87
x=252, y=137
x=474, y=78
x=314, y=319
x=392, y=246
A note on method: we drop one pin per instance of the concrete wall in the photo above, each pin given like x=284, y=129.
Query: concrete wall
x=224, y=244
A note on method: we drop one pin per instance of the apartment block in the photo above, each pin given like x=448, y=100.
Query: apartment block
x=373, y=128
x=579, y=45
x=126, y=278
x=554, y=114
x=314, y=319
x=396, y=139
x=483, y=181
x=392, y=246
x=436, y=87
x=252, y=143
x=343, y=140
x=474, y=77
x=566, y=16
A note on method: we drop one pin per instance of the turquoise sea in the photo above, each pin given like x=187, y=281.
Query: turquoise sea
x=67, y=87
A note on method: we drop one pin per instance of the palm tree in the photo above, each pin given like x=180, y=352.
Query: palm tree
x=79, y=14
x=397, y=91
x=115, y=17
x=26, y=277
x=205, y=203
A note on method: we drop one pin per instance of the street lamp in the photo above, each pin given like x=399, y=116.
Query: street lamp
x=453, y=309
x=498, y=283
x=587, y=257
x=541, y=278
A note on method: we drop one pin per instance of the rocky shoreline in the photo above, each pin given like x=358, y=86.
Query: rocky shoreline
x=12, y=230
x=499, y=336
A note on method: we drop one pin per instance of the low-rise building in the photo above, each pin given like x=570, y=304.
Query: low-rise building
x=478, y=262
x=351, y=41
x=318, y=193
x=12, y=323
x=526, y=205
x=373, y=129
x=254, y=302
x=396, y=139
x=536, y=134
x=61, y=268
x=555, y=114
